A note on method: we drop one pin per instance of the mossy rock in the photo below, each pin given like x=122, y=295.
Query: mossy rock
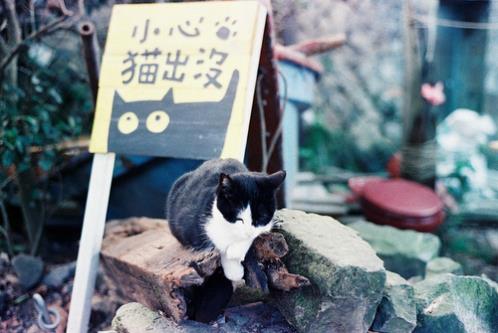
x=456, y=304
x=137, y=318
x=397, y=311
x=405, y=252
x=443, y=265
x=347, y=278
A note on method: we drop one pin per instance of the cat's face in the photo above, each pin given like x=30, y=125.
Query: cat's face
x=248, y=196
x=165, y=128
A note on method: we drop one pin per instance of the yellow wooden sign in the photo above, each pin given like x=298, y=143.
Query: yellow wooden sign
x=178, y=79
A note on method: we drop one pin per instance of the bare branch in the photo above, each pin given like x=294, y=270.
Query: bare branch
x=81, y=7
x=47, y=29
x=6, y=227
x=14, y=29
x=4, y=49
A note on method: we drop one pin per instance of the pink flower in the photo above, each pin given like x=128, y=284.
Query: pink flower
x=433, y=94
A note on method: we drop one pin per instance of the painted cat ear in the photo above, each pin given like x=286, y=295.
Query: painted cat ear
x=168, y=98
x=117, y=99
x=276, y=179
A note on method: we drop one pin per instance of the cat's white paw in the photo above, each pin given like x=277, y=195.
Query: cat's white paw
x=237, y=251
x=233, y=270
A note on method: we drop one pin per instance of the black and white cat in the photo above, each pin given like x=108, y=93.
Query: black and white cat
x=222, y=204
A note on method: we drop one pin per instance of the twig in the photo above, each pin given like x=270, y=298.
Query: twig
x=14, y=37
x=6, y=182
x=81, y=7
x=49, y=28
x=62, y=6
x=32, y=14
x=14, y=31
x=6, y=229
x=3, y=47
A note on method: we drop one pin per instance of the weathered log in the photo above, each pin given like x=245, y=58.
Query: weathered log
x=281, y=279
x=147, y=264
x=270, y=246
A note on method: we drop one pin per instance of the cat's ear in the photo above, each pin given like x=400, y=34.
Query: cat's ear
x=225, y=187
x=276, y=179
x=168, y=99
x=117, y=99
x=225, y=182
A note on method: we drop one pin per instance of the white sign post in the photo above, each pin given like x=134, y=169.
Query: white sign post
x=90, y=242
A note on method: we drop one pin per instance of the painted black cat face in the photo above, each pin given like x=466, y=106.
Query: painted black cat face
x=254, y=190
x=166, y=128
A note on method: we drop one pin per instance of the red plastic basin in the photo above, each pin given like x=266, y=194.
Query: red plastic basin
x=403, y=204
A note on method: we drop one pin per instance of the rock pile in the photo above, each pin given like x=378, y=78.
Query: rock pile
x=352, y=290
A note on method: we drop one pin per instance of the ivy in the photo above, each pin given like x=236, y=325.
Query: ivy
x=52, y=104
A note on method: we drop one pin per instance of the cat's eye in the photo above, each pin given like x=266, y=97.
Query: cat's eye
x=239, y=220
x=128, y=122
x=157, y=121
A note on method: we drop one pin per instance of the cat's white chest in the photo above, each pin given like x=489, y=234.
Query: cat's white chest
x=233, y=240
x=223, y=233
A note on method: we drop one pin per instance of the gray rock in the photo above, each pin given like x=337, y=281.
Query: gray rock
x=405, y=252
x=397, y=311
x=255, y=317
x=136, y=318
x=443, y=265
x=346, y=275
x=28, y=269
x=415, y=279
x=249, y=318
x=59, y=275
x=456, y=304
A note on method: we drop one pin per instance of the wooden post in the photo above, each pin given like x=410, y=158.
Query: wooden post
x=272, y=111
x=91, y=236
x=92, y=55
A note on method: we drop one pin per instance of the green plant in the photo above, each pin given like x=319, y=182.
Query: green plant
x=44, y=100
x=52, y=105
x=323, y=148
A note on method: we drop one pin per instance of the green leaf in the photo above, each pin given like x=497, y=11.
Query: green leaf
x=7, y=158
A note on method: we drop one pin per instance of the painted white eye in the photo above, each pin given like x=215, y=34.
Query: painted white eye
x=157, y=121
x=128, y=123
